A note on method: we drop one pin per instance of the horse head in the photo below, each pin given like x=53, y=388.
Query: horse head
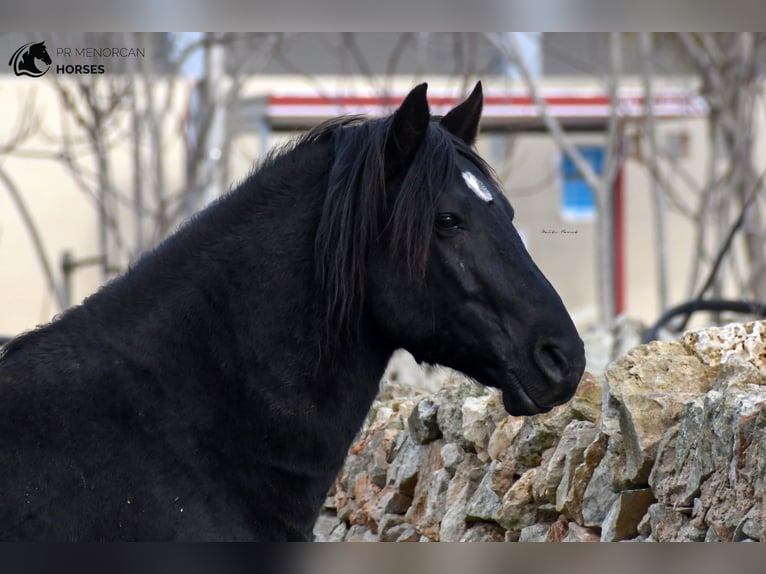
x=467, y=294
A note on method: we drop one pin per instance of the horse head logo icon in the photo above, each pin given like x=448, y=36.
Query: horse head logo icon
x=24, y=60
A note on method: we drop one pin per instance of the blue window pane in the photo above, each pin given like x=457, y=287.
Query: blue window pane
x=577, y=202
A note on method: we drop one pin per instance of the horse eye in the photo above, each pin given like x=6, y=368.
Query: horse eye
x=447, y=221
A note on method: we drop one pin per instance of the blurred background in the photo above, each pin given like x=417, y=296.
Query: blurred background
x=635, y=161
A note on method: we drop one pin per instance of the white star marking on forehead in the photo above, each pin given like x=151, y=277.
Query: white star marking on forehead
x=477, y=187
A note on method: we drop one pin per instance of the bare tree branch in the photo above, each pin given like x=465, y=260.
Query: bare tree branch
x=658, y=203
x=34, y=236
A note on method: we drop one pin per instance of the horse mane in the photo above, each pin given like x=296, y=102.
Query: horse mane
x=357, y=211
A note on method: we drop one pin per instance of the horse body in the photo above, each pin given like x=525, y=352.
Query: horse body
x=213, y=390
x=138, y=405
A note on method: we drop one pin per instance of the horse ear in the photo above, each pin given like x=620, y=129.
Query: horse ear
x=408, y=127
x=463, y=120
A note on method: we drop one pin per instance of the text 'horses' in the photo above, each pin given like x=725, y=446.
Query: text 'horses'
x=213, y=390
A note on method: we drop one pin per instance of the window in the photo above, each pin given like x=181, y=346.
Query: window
x=577, y=201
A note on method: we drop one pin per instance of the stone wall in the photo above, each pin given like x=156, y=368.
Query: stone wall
x=669, y=444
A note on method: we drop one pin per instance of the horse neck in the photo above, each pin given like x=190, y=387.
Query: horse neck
x=246, y=267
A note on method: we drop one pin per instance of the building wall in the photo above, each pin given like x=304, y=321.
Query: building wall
x=65, y=216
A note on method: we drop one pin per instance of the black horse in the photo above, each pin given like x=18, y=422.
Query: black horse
x=23, y=59
x=213, y=390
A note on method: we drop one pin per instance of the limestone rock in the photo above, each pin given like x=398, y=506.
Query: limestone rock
x=480, y=418
x=598, y=497
x=403, y=471
x=644, y=393
x=459, y=492
x=389, y=501
x=518, y=508
x=571, y=490
x=577, y=533
x=621, y=522
x=567, y=455
x=586, y=404
x=408, y=534
x=534, y=533
x=359, y=533
x=714, y=346
x=503, y=476
x=325, y=525
x=735, y=432
x=449, y=403
x=429, y=497
x=666, y=524
x=564, y=530
x=365, y=496
x=452, y=455
x=483, y=532
x=484, y=503
x=503, y=436
x=682, y=463
x=558, y=530
x=537, y=434
x=752, y=526
x=422, y=423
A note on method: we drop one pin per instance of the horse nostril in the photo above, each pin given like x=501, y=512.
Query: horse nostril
x=551, y=360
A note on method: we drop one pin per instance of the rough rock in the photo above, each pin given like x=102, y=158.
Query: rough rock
x=429, y=496
x=568, y=454
x=564, y=530
x=393, y=528
x=570, y=493
x=621, y=522
x=535, y=533
x=714, y=346
x=682, y=462
x=537, y=434
x=449, y=403
x=666, y=524
x=325, y=525
x=483, y=532
x=403, y=471
x=408, y=534
x=462, y=486
x=503, y=476
x=484, y=502
x=598, y=497
x=586, y=404
x=578, y=533
x=481, y=416
x=359, y=533
x=518, y=508
x=422, y=423
x=427, y=515
x=644, y=393
x=503, y=437
x=452, y=455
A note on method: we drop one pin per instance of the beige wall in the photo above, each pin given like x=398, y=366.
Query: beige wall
x=65, y=216
x=68, y=220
